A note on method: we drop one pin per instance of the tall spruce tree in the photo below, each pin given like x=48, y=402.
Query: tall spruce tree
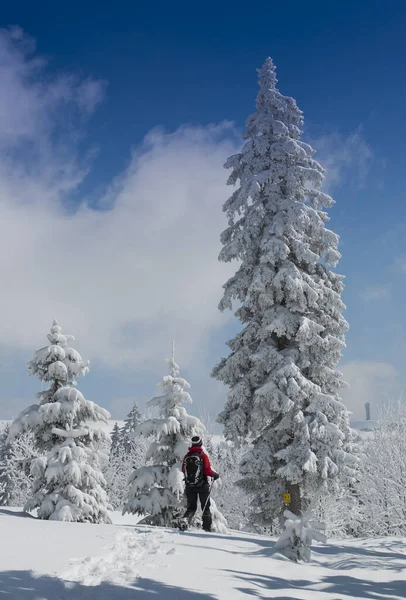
x=281, y=370
x=68, y=483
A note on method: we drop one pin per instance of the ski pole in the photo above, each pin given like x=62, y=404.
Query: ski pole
x=208, y=497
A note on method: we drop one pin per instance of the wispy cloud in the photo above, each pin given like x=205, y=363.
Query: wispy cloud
x=375, y=292
x=345, y=158
x=399, y=264
x=34, y=102
x=89, y=94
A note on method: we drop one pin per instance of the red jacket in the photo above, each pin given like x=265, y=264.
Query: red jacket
x=207, y=470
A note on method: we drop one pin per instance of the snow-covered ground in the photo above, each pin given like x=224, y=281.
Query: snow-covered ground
x=44, y=560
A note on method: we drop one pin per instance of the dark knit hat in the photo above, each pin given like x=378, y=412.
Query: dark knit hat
x=197, y=440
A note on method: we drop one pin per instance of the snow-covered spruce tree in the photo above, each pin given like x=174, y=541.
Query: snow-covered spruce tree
x=115, y=439
x=15, y=457
x=68, y=483
x=119, y=469
x=281, y=370
x=127, y=452
x=127, y=432
x=157, y=489
x=117, y=474
x=7, y=470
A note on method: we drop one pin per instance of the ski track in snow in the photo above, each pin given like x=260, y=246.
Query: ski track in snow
x=119, y=564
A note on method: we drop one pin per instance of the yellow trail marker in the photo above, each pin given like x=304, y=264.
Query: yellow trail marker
x=286, y=498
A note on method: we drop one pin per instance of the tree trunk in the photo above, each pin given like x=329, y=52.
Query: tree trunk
x=295, y=505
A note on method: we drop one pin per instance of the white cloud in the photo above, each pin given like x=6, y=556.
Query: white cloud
x=374, y=382
x=127, y=280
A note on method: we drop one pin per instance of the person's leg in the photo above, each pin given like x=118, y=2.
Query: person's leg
x=204, y=493
x=191, y=497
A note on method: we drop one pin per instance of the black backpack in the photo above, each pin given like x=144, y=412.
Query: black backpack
x=193, y=464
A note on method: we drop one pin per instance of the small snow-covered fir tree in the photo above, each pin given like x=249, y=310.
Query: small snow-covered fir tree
x=115, y=439
x=157, y=489
x=68, y=483
x=15, y=457
x=7, y=470
x=127, y=453
x=117, y=474
x=296, y=540
x=127, y=433
x=281, y=370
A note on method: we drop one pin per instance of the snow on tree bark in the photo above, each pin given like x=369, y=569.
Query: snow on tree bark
x=68, y=483
x=281, y=369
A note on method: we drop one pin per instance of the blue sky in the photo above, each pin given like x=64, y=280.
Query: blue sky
x=113, y=132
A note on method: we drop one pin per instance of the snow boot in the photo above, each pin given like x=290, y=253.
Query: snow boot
x=183, y=525
x=207, y=522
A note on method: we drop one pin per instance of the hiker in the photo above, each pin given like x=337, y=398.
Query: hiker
x=196, y=469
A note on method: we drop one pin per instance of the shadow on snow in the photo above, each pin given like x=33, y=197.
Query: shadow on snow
x=23, y=585
x=380, y=557
x=339, y=584
x=12, y=513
